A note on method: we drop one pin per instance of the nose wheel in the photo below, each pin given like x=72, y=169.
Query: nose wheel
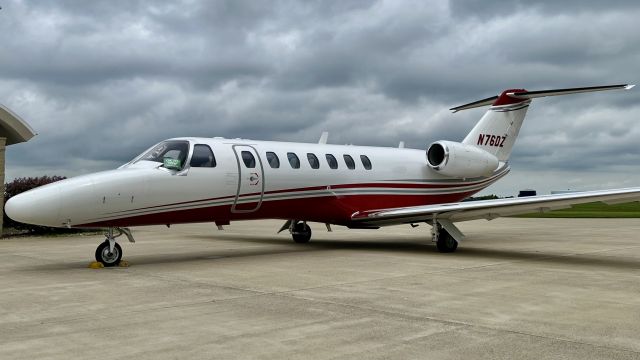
x=109, y=253
x=107, y=256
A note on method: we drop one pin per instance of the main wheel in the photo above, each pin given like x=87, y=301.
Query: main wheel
x=107, y=258
x=446, y=243
x=301, y=233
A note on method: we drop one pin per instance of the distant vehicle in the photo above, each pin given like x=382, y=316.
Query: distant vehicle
x=191, y=179
x=527, y=192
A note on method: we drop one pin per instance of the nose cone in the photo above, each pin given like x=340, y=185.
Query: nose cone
x=40, y=206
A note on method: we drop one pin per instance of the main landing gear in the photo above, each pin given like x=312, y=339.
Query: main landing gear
x=446, y=235
x=109, y=253
x=300, y=231
x=446, y=243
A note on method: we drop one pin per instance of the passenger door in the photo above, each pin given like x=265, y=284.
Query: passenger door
x=250, y=180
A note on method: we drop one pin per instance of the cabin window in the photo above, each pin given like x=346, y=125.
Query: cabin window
x=349, y=161
x=248, y=159
x=365, y=162
x=273, y=160
x=313, y=161
x=202, y=156
x=331, y=160
x=293, y=160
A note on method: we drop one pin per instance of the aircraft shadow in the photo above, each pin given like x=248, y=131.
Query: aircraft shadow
x=399, y=246
x=427, y=248
x=403, y=245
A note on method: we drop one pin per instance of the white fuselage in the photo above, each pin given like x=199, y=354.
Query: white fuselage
x=145, y=192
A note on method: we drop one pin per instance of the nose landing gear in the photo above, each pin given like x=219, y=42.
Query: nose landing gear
x=109, y=253
x=107, y=256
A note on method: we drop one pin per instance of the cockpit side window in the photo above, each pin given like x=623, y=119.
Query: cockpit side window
x=202, y=156
x=174, y=149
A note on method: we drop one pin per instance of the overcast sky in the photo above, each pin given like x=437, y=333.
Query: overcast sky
x=100, y=81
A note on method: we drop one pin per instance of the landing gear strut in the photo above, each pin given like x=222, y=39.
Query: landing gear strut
x=109, y=253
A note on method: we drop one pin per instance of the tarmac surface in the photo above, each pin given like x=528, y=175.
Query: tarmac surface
x=515, y=289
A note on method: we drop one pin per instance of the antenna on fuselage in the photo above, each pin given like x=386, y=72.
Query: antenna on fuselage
x=323, y=137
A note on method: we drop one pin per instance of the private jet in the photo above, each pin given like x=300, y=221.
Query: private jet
x=218, y=180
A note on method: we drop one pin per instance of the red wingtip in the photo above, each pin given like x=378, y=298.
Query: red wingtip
x=505, y=99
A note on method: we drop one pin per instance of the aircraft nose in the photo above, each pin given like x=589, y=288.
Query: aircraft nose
x=40, y=206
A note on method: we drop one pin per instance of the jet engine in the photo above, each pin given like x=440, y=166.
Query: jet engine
x=460, y=160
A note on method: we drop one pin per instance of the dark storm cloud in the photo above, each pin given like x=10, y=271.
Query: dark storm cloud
x=488, y=9
x=83, y=43
x=103, y=80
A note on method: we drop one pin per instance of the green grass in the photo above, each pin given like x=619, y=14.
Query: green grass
x=592, y=210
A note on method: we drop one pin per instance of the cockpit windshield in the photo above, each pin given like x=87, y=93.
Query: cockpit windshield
x=177, y=150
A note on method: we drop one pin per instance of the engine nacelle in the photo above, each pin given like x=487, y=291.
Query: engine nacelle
x=460, y=160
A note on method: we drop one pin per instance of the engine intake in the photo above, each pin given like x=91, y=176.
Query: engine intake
x=460, y=160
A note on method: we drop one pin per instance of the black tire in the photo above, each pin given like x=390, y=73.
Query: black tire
x=108, y=259
x=446, y=243
x=301, y=233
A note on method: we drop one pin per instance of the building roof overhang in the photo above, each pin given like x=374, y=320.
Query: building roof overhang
x=13, y=128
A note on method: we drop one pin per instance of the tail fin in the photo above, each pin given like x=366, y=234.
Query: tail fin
x=497, y=130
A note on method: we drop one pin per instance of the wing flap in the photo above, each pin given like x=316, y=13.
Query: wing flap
x=491, y=209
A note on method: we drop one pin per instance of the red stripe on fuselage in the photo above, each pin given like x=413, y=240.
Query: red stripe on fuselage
x=327, y=209
x=389, y=185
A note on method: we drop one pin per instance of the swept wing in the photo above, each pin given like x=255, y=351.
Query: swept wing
x=491, y=209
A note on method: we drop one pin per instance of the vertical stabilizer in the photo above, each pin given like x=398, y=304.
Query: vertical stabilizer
x=497, y=130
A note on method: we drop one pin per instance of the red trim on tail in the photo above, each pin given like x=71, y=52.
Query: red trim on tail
x=505, y=99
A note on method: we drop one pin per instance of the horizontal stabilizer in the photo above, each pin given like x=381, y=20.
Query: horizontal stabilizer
x=475, y=104
x=525, y=95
